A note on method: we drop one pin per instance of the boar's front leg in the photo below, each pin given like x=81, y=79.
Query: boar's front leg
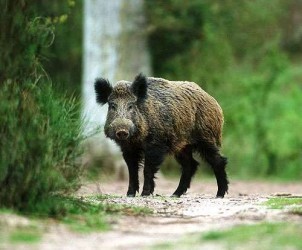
x=132, y=159
x=154, y=156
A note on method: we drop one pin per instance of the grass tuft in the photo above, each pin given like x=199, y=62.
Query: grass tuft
x=280, y=203
x=28, y=235
x=260, y=236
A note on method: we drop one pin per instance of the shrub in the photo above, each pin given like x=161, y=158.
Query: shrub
x=40, y=134
x=235, y=52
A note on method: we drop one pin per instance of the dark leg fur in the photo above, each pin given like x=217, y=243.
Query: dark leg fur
x=154, y=156
x=218, y=163
x=132, y=159
x=189, y=167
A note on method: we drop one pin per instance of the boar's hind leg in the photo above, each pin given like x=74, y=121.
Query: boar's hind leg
x=154, y=156
x=189, y=167
x=132, y=159
x=218, y=163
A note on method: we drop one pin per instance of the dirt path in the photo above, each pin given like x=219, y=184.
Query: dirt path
x=197, y=211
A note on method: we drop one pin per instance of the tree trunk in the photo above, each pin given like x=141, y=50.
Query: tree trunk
x=114, y=48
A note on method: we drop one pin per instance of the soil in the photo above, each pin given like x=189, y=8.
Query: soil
x=197, y=211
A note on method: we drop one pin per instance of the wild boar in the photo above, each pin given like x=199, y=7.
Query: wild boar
x=152, y=117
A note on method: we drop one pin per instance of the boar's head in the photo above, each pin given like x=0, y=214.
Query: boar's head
x=123, y=117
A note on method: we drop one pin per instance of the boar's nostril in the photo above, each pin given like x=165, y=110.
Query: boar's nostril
x=122, y=134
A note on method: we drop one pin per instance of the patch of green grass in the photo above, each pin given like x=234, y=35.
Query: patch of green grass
x=6, y=211
x=293, y=204
x=17, y=232
x=163, y=246
x=95, y=218
x=282, y=202
x=119, y=208
x=84, y=215
x=260, y=236
x=86, y=222
x=264, y=236
x=79, y=214
x=28, y=235
x=240, y=233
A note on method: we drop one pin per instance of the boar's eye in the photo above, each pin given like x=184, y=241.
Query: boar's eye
x=112, y=106
x=130, y=106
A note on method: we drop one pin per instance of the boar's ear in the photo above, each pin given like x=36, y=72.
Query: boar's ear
x=102, y=89
x=139, y=87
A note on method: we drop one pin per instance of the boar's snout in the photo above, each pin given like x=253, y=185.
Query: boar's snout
x=122, y=134
x=120, y=129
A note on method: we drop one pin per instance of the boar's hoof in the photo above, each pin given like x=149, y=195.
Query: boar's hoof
x=130, y=195
x=145, y=193
x=175, y=195
x=219, y=196
x=220, y=193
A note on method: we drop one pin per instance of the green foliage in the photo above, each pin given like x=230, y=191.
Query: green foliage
x=40, y=134
x=79, y=215
x=234, y=51
x=280, y=203
x=258, y=120
x=83, y=215
x=34, y=41
x=23, y=36
x=64, y=57
x=39, y=129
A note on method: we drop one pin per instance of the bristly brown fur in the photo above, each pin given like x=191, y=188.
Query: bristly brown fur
x=163, y=117
x=190, y=114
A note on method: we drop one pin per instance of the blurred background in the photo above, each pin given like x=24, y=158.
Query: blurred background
x=246, y=54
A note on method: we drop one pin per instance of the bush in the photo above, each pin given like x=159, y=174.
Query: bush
x=235, y=52
x=40, y=134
